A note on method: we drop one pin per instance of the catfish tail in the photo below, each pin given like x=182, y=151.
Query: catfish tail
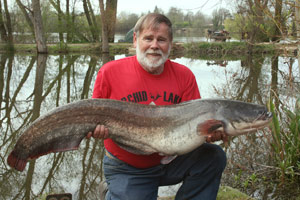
x=15, y=162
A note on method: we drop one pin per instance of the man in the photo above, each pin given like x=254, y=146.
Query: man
x=150, y=78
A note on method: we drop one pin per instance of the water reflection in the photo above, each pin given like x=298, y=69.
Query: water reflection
x=32, y=85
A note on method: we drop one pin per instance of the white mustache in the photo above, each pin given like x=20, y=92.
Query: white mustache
x=154, y=51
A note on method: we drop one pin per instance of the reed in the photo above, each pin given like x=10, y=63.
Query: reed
x=286, y=141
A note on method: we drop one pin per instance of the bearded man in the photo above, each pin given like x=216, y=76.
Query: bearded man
x=151, y=78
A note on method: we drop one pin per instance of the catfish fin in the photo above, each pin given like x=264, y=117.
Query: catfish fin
x=209, y=126
x=167, y=159
x=15, y=162
x=59, y=145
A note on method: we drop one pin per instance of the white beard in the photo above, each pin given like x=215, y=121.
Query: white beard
x=153, y=63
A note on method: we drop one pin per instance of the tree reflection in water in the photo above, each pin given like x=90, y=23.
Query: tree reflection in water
x=32, y=85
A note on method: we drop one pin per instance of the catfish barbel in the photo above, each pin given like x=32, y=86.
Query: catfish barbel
x=140, y=129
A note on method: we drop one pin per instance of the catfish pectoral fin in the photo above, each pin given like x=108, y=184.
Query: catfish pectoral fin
x=209, y=126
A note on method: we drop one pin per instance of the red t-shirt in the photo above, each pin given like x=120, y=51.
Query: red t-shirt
x=126, y=80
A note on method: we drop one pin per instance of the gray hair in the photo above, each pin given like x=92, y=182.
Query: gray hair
x=152, y=21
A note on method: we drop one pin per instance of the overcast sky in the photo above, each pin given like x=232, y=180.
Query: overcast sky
x=139, y=6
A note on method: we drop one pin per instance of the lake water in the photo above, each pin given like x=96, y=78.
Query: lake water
x=30, y=86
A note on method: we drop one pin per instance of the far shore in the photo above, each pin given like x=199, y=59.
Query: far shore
x=178, y=48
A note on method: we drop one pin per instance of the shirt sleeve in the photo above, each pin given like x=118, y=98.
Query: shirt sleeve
x=191, y=91
x=101, y=87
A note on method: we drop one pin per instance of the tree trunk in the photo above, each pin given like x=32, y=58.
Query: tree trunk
x=28, y=17
x=94, y=20
x=70, y=23
x=3, y=33
x=256, y=9
x=89, y=20
x=297, y=16
x=105, y=46
x=60, y=23
x=8, y=23
x=277, y=21
x=38, y=27
x=111, y=14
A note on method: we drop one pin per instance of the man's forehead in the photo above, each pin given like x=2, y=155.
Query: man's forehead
x=159, y=27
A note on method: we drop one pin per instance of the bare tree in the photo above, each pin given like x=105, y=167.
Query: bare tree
x=88, y=10
x=256, y=9
x=6, y=27
x=60, y=23
x=68, y=20
x=34, y=18
x=27, y=14
x=297, y=16
x=108, y=21
x=2, y=26
x=38, y=27
x=111, y=14
x=71, y=29
x=105, y=46
x=277, y=21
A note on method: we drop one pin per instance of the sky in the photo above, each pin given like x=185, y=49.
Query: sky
x=143, y=6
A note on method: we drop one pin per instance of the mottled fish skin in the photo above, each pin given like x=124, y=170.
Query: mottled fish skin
x=140, y=129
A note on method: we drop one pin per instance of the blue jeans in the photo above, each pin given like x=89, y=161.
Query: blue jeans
x=199, y=171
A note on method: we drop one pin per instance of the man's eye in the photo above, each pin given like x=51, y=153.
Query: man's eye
x=162, y=40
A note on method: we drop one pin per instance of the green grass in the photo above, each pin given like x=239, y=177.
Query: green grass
x=189, y=48
x=229, y=193
x=228, y=48
x=66, y=48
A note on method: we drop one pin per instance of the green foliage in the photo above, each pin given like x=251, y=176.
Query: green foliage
x=234, y=27
x=251, y=180
x=286, y=141
x=260, y=32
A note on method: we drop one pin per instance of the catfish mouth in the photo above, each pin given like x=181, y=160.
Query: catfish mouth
x=242, y=126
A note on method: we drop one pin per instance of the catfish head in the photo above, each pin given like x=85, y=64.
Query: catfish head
x=235, y=117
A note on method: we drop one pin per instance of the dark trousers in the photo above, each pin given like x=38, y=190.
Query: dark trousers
x=199, y=171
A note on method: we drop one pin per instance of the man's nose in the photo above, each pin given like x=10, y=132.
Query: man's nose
x=154, y=44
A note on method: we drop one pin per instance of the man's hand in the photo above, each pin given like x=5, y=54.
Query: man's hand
x=100, y=132
x=216, y=136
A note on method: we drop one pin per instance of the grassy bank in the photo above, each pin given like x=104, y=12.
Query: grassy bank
x=225, y=193
x=235, y=48
x=82, y=48
x=203, y=48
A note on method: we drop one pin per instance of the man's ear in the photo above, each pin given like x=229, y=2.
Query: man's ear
x=134, y=39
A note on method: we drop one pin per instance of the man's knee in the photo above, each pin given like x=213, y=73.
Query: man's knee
x=219, y=157
x=214, y=155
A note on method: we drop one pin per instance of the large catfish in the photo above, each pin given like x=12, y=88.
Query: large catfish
x=141, y=129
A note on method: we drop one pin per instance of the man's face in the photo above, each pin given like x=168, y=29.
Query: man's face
x=153, y=48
